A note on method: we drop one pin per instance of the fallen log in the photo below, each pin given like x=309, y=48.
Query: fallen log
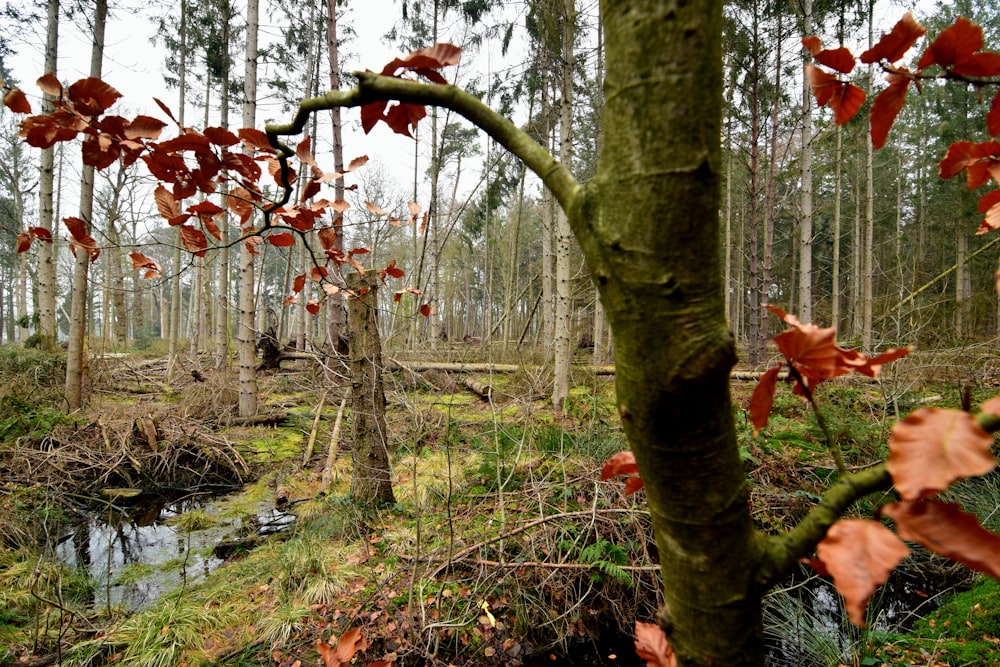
x=482, y=389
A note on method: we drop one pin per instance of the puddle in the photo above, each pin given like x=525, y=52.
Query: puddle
x=138, y=553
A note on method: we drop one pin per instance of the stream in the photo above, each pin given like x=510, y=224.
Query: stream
x=137, y=553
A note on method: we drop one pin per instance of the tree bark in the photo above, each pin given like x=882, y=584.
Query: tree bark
x=371, y=480
x=46, y=251
x=335, y=313
x=76, y=362
x=563, y=349
x=175, y=279
x=806, y=227
x=245, y=332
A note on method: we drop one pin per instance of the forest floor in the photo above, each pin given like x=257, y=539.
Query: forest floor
x=503, y=546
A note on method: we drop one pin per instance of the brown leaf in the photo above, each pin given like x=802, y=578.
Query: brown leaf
x=166, y=110
x=843, y=97
x=955, y=48
x=893, y=46
x=886, y=107
x=327, y=237
x=840, y=59
x=255, y=139
x=992, y=406
x=860, y=554
x=762, y=399
x=194, y=240
x=304, y=152
x=77, y=229
x=16, y=101
x=945, y=529
x=652, y=646
x=140, y=261
x=23, y=243
x=50, y=84
x=934, y=447
x=282, y=240
x=993, y=117
x=40, y=233
x=144, y=127
x=165, y=202
x=221, y=136
x=375, y=208
x=91, y=96
x=404, y=116
x=622, y=463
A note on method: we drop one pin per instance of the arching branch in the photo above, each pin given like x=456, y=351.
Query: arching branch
x=373, y=87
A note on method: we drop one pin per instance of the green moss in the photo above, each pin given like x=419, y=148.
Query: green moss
x=963, y=631
x=276, y=446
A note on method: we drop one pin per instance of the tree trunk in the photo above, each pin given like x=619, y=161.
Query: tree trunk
x=175, y=279
x=835, y=287
x=371, y=480
x=335, y=313
x=222, y=350
x=563, y=349
x=806, y=225
x=868, y=261
x=76, y=362
x=754, y=334
x=662, y=155
x=547, y=330
x=245, y=334
x=46, y=251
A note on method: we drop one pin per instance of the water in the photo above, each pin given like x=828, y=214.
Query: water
x=135, y=555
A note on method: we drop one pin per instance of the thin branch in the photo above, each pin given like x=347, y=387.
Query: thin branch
x=373, y=88
x=783, y=551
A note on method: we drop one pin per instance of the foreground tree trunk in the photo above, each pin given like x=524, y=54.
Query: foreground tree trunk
x=662, y=154
x=371, y=479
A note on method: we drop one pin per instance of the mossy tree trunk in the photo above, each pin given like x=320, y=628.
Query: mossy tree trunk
x=371, y=479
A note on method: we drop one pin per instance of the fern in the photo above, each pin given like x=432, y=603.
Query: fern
x=608, y=559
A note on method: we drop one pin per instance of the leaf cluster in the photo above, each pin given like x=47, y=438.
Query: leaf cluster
x=956, y=55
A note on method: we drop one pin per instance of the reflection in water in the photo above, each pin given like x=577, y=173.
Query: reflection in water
x=134, y=557
x=805, y=623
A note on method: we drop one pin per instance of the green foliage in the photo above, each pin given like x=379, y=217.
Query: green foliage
x=31, y=384
x=18, y=418
x=608, y=559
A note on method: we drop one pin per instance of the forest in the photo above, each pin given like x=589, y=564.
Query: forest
x=321, y=386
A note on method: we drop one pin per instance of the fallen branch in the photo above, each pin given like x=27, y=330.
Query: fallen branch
x=564, y=566
x=310, y=445
x=461, y=555
x=331, y=457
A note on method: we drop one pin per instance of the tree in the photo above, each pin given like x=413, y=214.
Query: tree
x=46, y=254
x=647, y=225
x=84, y=247
x=245, y=333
